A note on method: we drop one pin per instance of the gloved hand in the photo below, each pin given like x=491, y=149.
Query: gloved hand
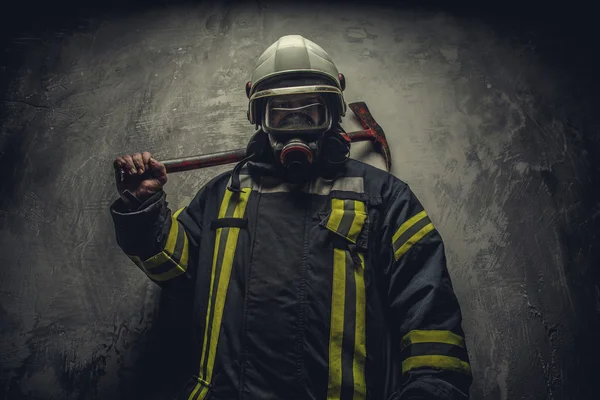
x=139, y=174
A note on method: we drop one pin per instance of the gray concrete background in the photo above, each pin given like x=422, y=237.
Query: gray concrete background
x=486, y=130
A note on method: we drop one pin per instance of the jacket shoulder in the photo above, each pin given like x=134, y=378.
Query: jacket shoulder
x=218, y=183
x=377, y=182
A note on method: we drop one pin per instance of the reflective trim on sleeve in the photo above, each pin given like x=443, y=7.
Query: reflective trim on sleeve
x=434, y=349
x=404, y=227
x=232, y=206
x=172, y=261
x=410, y=232
x=438, y=349
x=437, y=362
x=422, y=336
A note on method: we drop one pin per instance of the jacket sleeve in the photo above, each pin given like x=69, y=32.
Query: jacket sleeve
x=424, y=311
x=162, y=244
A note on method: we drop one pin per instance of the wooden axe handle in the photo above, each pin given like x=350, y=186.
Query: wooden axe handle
x=372, y=132
x=232, y=156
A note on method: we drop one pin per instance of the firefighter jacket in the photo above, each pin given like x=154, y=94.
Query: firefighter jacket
x=332, y=289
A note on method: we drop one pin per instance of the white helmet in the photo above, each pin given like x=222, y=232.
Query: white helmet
x=294, y=65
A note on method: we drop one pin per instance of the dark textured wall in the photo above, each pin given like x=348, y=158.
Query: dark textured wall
x=491, y=115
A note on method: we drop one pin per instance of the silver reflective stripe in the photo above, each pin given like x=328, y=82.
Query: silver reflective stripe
x=246, y=182
x=280, y=188
x=323, y=187
x=319, y=186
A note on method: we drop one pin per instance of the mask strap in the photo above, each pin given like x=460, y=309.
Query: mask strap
x=235, y=175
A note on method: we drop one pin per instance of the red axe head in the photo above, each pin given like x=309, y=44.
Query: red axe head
x=361, y=110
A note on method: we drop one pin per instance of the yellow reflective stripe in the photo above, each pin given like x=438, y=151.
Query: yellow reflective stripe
x=414, y=239
x=176, y=271
x=184, y=254
x=225, y=203
x=433, y=336
x=222, y=212
x=178, y=212
x=170, y=274
x=406, y=226
x=216, y=311
x=172, y=238
x=156, y=260
x=210, y=296
x=240, y=209
x=203, y=393
x=201, y=389
x=441, y=362
x=337, y=212
x=336, y=332
x=341, y=267
x=169, y=248
x=193, y=394
x=360, y=349
x=359, y=220
x=226, y=267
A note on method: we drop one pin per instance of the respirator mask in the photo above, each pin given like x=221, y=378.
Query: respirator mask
x=296, y=124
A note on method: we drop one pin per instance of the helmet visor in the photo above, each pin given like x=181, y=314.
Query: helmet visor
x=297, y=113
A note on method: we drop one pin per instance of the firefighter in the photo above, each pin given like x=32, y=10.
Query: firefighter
x=314, y=276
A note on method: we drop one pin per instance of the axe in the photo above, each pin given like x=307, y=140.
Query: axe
x=372, y=132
